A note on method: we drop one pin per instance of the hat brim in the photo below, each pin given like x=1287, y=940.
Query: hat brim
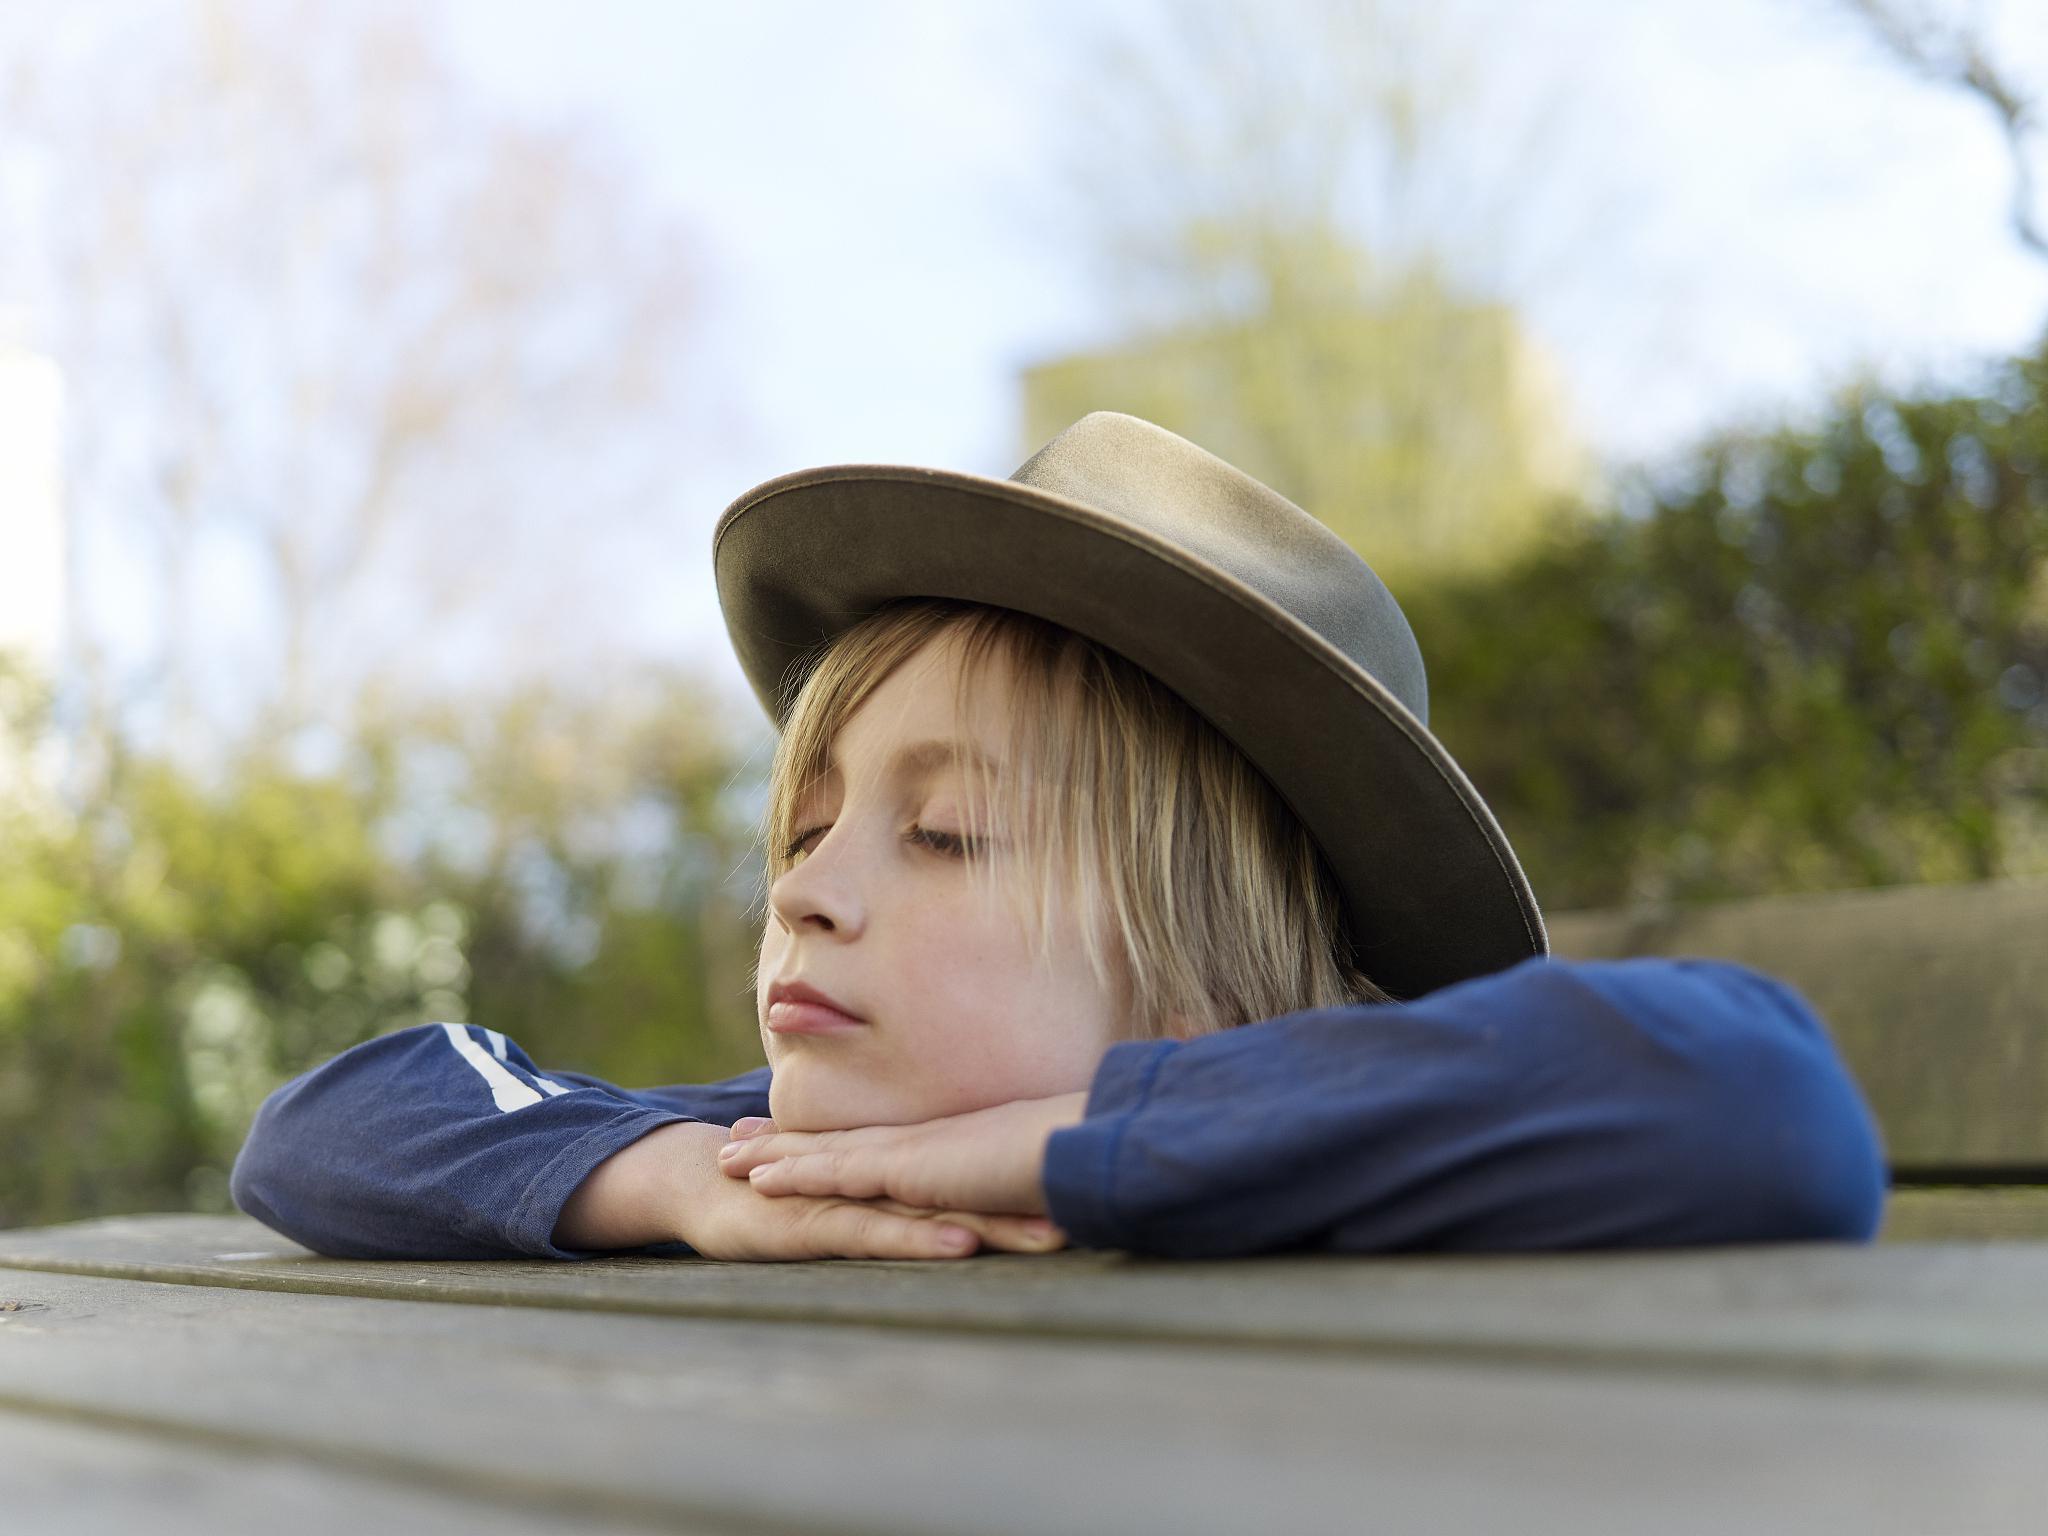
x=1434, y=892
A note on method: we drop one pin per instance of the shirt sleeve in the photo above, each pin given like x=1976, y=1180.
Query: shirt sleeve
x=1553, y=1105
x=445, y=1141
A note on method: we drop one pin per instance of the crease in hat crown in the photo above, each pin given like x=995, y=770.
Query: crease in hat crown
x=1175, y=490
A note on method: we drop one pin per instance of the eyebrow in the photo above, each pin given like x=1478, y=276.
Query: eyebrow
x=923, y=757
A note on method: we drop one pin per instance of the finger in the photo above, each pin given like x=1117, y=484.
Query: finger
x=821, y=1173
x=856, y=1230
x=744, y=1155
x=740, y=1157
x=753, y=1125
x=1013, y=1234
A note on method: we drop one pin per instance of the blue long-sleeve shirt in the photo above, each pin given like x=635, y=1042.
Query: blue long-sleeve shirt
x=1555, y=1104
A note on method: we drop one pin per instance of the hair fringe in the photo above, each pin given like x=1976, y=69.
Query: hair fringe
x=1201, y=899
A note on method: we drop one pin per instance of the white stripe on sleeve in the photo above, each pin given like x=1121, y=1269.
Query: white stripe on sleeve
x=497, y=1043
x=507, y=1092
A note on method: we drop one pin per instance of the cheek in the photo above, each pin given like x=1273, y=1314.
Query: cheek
x=997, y=1015
x=965, y=967
x=772, y=941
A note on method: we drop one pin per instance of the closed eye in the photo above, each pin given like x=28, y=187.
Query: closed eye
x=949, y=844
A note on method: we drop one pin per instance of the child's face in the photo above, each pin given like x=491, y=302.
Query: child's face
x=959, y=1014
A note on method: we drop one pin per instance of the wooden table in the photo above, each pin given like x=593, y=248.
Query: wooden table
x=199, y=1374
x=186, y=1373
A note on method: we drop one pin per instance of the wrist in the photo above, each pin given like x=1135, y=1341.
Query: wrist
x=644, y=1192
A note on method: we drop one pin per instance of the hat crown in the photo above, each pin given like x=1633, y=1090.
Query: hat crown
x=1262, y=620
x=1161, y=483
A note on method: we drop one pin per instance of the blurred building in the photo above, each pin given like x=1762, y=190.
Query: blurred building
x=32, y=582
x=1431, y=433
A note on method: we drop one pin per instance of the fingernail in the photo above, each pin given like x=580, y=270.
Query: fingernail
x=746, y=1125
x=955, y=1237
x=728, y=1150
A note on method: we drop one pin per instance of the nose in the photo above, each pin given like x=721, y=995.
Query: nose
x=817, y=892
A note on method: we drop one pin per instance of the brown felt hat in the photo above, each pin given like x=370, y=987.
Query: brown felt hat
x=1253, y=612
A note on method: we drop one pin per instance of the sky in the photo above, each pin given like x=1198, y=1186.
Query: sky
x=1769, y=205
x=1738, y=206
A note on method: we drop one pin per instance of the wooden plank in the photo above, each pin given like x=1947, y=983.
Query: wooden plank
x=85, y=1477
x=811, y=1428
x=1982, y=1213
x=1937, y=996
x=1959, y=1313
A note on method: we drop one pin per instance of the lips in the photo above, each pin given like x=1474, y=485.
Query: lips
x=797, y=1008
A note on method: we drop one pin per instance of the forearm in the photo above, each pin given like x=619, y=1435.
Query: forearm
x=1560, y=1105
x=642, y=1193
x=439, y=1142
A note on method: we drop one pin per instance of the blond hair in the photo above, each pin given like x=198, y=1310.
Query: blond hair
x=1203, y=902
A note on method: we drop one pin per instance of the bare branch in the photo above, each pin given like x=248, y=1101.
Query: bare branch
x=1953, y=56
x=332, y=325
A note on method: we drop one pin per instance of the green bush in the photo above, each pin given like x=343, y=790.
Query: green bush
x=1810, y=659
x=173, y=950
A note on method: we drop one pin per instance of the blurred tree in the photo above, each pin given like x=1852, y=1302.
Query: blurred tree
x=1951, y=50
x=578, y=874
x=346, y=353
x=1299, y=211
x=606, y=847
x=1810, y=660
x=145, y=944
x=348, y=359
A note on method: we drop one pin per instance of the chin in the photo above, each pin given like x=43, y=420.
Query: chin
x=797, y=1105
x=801, y=1101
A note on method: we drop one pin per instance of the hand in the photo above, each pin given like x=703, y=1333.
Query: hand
x=985, y=1160
x=742, y=1223
x=723, y=1219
